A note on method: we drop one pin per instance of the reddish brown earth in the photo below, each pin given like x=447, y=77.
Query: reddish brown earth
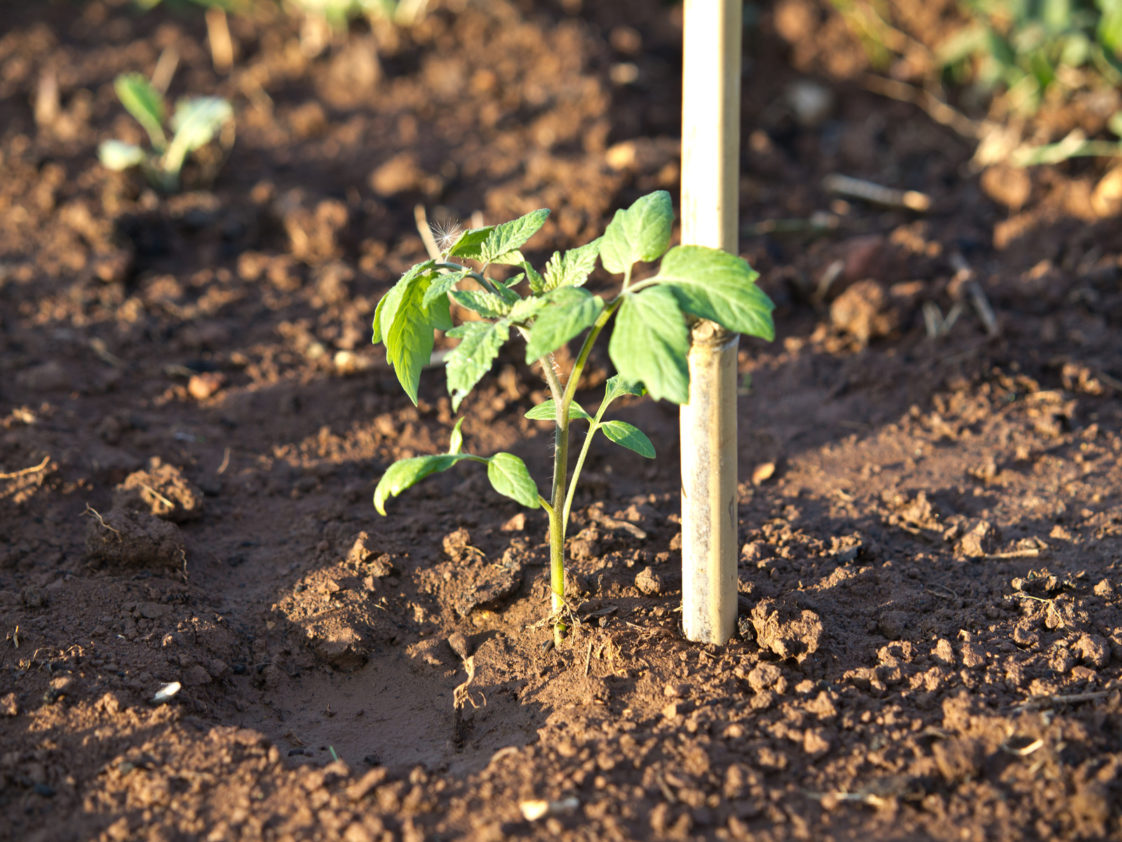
x=192, y=420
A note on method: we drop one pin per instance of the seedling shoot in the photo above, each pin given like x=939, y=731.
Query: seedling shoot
x=546, y=310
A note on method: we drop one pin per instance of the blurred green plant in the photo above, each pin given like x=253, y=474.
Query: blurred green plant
x=1024, y=50
x=195, y=122
x=339, y=13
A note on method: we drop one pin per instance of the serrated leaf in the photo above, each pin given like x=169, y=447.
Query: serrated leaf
x=546, y=411
x=618, y=386
x=388, y=303
x=640, y=233
x=537, y=282
x=650, y=342
x=526, y=309
x=408, y=472
x=469, y=243
x=406, y=325
x=456, y=440
x=570, y=310
x=442, y=285
x=509, y=476
x=486, y=304
x=715, y=285
x=571, y=268
x=472, y=358
x=118, y=155
x=144, y=103
x=505, y=290
x=502, y=244
x=629, y=436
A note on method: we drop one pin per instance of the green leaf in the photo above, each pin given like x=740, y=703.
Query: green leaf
x=472, y=358
x=118, y=155
x=509, y=476
x=526, y=309
x=442, y=285
x=546, y=411
x=456, y=440
x=715, y=285
x=198, y=119
x=650, y=342
x=486, y=304
x=408, y=472
x=502, y=244
x=629, y=436
x=618, y=386
x=468, y=246
x=640, y=233
x=569, y=312
x=196, y=122
x=144, y=103
x=571, y=268
x=387, y=306
x=537, y=282
x=406, y=325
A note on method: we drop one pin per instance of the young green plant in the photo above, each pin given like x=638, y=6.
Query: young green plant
x=195, y=123
x=548, y=310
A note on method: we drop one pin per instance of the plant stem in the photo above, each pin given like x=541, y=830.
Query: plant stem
x=557, y=528
x=562, y=494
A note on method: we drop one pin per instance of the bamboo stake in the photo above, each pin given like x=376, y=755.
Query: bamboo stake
x=710, y=176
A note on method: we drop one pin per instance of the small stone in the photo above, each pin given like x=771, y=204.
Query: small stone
x=9, y=705
x=166, y=693
x=348, y=362
x=533, y=809
x=516, y=524
x=763, y=472
x=649, y=582
x=205, y=385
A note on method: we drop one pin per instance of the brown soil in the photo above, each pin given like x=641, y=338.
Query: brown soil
x=931, y=630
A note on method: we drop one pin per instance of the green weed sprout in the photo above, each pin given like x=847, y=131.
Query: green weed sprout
x=195, y=123
x=1030, y=47
x=648, y=347
x=338, y=13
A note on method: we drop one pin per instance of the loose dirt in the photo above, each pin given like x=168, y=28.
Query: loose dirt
x=192, y=421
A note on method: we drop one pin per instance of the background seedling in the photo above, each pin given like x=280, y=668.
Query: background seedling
x=196, y=122
x=548, y=309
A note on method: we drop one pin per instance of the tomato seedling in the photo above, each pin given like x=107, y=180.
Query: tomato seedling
x=648, y=346
x=195, y=123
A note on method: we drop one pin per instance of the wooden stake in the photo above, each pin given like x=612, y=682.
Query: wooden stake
x=710, y=177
